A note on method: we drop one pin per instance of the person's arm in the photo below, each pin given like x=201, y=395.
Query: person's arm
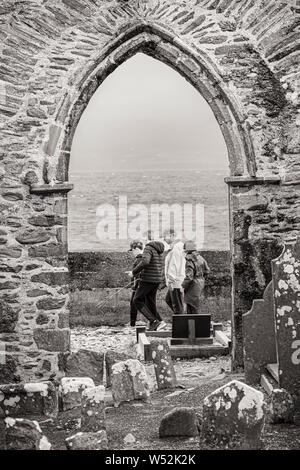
x=146, y=258
x=189, y=274
x=206, y=269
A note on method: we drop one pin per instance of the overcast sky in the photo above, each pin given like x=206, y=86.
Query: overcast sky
x=145, y=116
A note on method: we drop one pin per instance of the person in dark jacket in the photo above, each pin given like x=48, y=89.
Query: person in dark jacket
x=151, y=268
x=136, y=248
x=196, y=268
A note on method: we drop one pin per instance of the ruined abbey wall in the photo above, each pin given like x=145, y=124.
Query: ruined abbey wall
x=242, y=56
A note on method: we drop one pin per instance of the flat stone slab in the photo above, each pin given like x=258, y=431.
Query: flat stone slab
x=180, y=422
x=193, y=351
x=19, y=400
x=88, y=441
x=71, y=389
x=23, y=434
x=234, y=416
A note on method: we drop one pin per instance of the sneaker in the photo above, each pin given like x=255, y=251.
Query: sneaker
x=161, y=326
x=153, y=325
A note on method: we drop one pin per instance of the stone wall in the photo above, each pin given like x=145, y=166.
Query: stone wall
x=95, y=277
x=241, y=55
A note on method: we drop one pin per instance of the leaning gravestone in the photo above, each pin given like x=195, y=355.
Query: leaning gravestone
x=233, y=417
x=259, y=336
x=286, y=278
x=163, y=365
x=180, y=422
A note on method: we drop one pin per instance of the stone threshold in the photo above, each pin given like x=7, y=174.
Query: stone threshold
x=252, y=180
x=51, y=188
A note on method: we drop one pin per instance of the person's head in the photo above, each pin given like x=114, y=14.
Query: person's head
x=136, y=247
x=169, y=236
x=190, y=246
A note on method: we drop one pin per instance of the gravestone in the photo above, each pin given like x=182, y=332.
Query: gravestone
x=92, y=409
x=129, y=382
x=233, y=417
x=259, y=336
x=71, y=389
x=191, y=329
x=286, y=279
x=163, y=365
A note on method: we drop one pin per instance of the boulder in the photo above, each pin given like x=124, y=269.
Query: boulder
x=23, y=434
x=181, y=421
x=92, y=409
x=129, y=382
x=19, y=400
x=282, y=406
x=87, y=441
x=85, y=363
x=233, y=417
x=71, y=389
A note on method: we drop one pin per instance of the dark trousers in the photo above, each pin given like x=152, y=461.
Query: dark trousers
x=145, y=300
x=191, y=310
x=174, y=299
x=133, y=310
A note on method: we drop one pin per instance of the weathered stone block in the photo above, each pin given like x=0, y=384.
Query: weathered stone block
x=85, y=363
x=88, y=441
x=23, y=434
x=52, y=340
x=233, y=417
x=129, y=382
x=51, y=278
x=50, y=303
x=8, y=317
x=181, y=421
x=93, y=409
x=28, y=237
x=10, y=252
x=71, y=389
x=19, y=400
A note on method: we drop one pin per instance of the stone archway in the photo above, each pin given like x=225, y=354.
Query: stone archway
x=239, y=55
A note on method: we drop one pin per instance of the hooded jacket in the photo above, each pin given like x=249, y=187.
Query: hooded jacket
x=195, y=269
x=175, y=266
x=151, y=264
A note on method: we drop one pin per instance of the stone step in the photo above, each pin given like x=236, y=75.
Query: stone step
x=273, y=370
x=193, y=351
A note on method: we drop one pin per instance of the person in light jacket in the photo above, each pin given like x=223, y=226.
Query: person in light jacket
x=174, y=272
x=196, y=269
